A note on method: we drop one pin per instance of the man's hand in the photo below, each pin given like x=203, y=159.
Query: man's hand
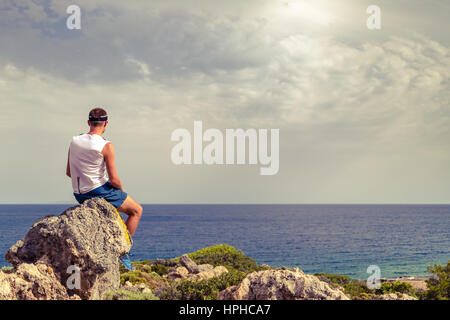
x=109, y=155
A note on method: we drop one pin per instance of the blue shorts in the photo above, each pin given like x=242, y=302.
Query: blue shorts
x=113, y=195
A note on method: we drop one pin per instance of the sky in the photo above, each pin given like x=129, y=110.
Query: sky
x=363, y=114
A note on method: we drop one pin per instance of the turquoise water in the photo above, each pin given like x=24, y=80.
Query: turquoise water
x=344, y=239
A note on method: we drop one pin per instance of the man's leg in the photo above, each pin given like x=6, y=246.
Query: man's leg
x=134, y=211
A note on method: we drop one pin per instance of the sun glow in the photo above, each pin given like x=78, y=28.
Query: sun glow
x=312, y=11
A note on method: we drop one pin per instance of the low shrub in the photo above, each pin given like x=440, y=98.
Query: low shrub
x=160, y=269
x=227, y=256
x=7, y=270
x=396, y=287
x=439, y=283
x=202, y=290
x=135, y=277
x=334, y=279
x=151, y=279
x=123, y=294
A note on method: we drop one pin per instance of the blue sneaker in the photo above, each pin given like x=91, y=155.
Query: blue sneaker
x=126, y=262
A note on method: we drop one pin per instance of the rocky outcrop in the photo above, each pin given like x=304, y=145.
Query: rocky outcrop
x=85, y=240
x=281, y=285
x=32, y=282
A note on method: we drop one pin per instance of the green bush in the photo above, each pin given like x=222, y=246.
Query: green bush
x=227, y=256
x=396, y=287
x=151, y=279
x=123, y=294
x=160, y=269
x=439, y=284
x=144, y=266
x=7, y=269
x=135, y=277
x=334, y=279
x=204, y=289
x=357, y=290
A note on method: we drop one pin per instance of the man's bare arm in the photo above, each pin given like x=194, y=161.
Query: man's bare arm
x=68, y=166
x=109, y=155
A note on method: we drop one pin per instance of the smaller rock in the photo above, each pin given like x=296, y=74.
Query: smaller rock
x=178, y=273
x=182, y=271
x=205, y=267
x=165, y=262
x=205, y=275
x=190, y=265
x=171, y=269
x=160, y=261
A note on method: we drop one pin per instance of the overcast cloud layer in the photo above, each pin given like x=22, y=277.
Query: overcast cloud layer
x=363, y=115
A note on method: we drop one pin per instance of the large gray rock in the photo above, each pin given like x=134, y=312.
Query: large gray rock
x=90, y=236
x=281, y=285
x=189, y=264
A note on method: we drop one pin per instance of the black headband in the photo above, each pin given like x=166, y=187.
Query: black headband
x=103, y=118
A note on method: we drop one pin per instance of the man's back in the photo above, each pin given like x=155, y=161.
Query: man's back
x=87, y=164
x=91, y=166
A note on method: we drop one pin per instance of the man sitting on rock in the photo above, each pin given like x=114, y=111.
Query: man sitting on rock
x=91, y=166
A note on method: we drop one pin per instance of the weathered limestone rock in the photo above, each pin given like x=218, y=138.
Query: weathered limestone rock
x=205, y=267
x=205, y=271
x=178, y=273
x=32, y=282
x=90, y=237
x=281, y=285
x=207, y=274
x=187, y=262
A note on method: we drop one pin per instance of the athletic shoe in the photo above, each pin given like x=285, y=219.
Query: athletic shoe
x=126, y=262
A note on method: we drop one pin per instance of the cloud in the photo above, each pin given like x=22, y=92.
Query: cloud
x=170, y=42
x=353, y=107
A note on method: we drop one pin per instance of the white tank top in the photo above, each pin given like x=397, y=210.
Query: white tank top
x=87, y=165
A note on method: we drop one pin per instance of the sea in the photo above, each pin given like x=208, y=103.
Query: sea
x=402, y=240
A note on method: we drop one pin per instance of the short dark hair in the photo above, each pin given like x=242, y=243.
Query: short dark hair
x=97, y=113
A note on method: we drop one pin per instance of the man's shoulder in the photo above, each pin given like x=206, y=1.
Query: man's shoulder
x=108, y=144
x=78, y=136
